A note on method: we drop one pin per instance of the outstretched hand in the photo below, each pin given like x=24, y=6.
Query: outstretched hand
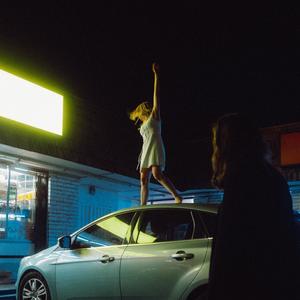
x=155, y=68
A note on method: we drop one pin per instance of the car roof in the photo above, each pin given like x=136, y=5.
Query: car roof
x=212, y=208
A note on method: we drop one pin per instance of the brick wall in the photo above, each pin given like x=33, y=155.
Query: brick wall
x=103, y=199
x=96, y=205
x=63, y=206
x=72, y=204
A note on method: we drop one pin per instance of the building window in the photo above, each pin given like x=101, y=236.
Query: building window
x=17, y=204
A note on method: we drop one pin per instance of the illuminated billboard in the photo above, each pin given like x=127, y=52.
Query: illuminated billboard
x=28, y=103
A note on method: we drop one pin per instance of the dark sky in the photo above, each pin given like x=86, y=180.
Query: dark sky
x=214, y=59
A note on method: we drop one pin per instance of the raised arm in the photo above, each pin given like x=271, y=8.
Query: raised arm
x=156, y=100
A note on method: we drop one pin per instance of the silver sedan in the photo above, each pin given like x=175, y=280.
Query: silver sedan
x=147, y=252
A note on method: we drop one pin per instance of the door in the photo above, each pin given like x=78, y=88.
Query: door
x=90, y=270
x=167, y=252
x=41, y=212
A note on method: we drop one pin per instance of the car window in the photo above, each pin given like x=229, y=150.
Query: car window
x=200, y=231
x=210, y=222
x=164, y=225
x=107, y=232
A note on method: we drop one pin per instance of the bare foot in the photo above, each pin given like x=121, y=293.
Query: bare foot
x=178, y=199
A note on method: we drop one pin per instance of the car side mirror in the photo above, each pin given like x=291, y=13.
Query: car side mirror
x=64, y=242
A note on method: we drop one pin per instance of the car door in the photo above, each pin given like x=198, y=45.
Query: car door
x=166, y=253
x=90, y=270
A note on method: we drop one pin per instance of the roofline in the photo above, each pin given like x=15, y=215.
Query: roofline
x=286, y=126
x=22, y=157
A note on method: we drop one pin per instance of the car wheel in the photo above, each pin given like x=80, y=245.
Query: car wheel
x=201, y=297
x=33, y=286
x=199, y=294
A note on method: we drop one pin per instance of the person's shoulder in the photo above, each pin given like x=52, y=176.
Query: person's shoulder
x=276, y=175
x=235, y=176
x=243, y=172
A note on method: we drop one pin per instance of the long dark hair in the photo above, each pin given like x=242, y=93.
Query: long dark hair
x=236, y=139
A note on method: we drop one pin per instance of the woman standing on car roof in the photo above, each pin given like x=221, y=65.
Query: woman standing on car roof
x=152, y=157
x=254, y=252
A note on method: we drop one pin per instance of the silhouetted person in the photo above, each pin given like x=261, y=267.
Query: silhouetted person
x=254, y=252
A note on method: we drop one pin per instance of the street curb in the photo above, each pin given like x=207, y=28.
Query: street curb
x=7, y=292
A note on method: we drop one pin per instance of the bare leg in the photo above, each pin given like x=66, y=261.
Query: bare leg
x=166, y=183
x=144, y=178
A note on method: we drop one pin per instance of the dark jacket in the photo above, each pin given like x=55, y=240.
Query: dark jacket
x=254, y=253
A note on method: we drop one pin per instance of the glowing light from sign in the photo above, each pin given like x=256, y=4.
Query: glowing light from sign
x=31, y=104
x=290, y=149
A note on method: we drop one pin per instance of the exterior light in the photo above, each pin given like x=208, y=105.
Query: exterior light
x=30, y=104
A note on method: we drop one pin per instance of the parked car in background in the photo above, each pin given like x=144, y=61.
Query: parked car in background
x=147, y=252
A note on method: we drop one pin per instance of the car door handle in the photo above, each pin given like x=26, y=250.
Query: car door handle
x=182, y=255
x=106, y=259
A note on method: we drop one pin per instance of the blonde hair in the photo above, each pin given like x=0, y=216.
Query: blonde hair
x=145, y=108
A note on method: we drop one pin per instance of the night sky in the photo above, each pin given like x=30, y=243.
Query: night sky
x=214, y=59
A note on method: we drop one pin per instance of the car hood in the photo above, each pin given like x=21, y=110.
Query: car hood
x=46, y=251
x=43, y=253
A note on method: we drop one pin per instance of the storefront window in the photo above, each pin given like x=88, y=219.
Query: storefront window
x=17, y=204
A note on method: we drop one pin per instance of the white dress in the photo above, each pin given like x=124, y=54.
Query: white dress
x=153, y=150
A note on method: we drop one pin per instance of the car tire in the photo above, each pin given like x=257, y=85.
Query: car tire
x=32, y=285
x=199, y=294
x=201, y=297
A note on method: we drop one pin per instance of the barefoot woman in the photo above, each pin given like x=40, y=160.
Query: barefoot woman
x=152, y=157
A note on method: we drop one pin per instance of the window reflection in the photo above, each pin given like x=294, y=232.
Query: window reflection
x=108, y=232
x=163, y=226
x=5, y=210
x=17, y=204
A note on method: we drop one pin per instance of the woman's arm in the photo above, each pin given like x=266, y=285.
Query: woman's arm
x=156, y=102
